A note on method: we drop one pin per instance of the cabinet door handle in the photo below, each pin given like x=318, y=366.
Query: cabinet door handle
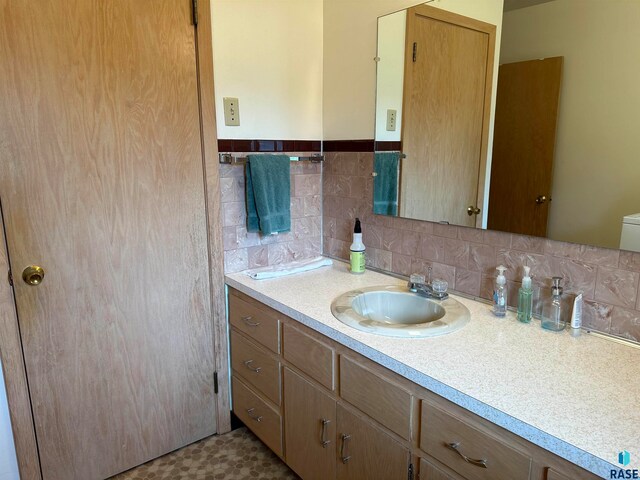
x=248, y=321
x=250, y=412
x=455, y=446
x=248, y=363
x=343, y=448
x=323, y=439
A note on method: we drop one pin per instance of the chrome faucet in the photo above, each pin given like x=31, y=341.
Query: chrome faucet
x=431, y=289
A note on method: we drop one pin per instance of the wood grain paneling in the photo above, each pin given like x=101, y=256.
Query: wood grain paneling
x=14, y=374
x=258, y=367
x=312, y=357
x=376, y=396
x=445, y=151
x=439, y=428
x=263, y=419
x=255, y=322
x=213, y=211
x=429, y=471
x=305, y=409
x=372, y=454
x=103, y=187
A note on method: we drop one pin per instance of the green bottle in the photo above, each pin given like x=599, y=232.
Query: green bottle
x=357, y=250
x=525, y=298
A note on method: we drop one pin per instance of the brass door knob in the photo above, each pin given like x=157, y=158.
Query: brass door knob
x=33, y=275
x=540, y=199
x=471, y=210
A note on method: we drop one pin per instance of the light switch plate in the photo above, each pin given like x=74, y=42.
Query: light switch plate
x=231, y=112
x=391, y=120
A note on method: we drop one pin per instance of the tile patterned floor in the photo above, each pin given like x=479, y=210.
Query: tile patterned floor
x=232, y=456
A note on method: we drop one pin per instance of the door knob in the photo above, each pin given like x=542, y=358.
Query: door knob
x=540, y=199
x=471, y=210
x=33, y=275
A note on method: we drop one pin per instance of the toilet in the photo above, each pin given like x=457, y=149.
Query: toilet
x=630, y=238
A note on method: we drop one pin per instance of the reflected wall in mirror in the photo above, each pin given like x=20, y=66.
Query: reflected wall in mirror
x=595, y=177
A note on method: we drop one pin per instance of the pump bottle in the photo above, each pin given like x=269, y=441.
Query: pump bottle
x=500, y=293
x=525, y=296
x=357, y=254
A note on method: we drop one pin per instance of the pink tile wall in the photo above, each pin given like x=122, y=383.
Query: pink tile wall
x=242, y=249
x=467, y=258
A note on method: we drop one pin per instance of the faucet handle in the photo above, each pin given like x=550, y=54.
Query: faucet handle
x=417, y=278
x=439, y=286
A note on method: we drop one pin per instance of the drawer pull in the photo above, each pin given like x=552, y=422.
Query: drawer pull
x=257, y=418
x=323, y=440
x=455, y=446
x=343, y=448
x=248, y=363
x=248, y=321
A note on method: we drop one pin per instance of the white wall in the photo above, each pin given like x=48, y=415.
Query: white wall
x=390, y=74
x=268, y=54
x=349, y=51
x=8, y=462
x=596, y=176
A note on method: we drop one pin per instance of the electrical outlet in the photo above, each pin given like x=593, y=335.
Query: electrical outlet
x=231, y=112
x=391, y=120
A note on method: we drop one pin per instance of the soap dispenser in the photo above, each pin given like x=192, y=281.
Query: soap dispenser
x=525, y=296
x=500, y=293
x=553, y=316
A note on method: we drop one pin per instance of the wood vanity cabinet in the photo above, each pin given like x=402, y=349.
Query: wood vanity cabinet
x=330, y=413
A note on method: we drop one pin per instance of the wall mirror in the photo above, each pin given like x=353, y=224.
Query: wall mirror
x=561, y=152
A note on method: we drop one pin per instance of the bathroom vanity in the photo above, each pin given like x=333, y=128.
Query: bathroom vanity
x=494, y=400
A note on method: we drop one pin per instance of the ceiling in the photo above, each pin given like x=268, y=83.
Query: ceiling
x=516, y=4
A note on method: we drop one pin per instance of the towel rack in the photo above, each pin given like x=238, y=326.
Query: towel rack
x=229, y=159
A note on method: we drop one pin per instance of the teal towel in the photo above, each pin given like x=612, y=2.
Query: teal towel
x=268, y=193
x=385, y=183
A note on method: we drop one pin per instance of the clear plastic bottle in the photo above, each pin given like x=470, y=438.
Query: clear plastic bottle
x=500, y=293
x=525, y=298
x=553, y=316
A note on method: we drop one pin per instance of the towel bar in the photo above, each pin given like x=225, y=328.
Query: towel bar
x=229, y=159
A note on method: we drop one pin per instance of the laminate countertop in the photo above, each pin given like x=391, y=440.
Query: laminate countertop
x=578, y=397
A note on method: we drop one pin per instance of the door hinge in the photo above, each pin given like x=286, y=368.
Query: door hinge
x=410, y=472
x=10, y=278
x=215, y=382
x=195, y=12
x=415, y=51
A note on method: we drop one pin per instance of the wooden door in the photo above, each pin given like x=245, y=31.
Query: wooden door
x=446, y=107
x=523, y=146
x=310, y=428
x=102, y=186
x=365, y=451
x=428, y=471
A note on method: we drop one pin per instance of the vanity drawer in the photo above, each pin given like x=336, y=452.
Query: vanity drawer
x=256, y=414
x=439, y=429
x=382, y=400
x=258, y=367
x=257, y=322
x=309, y=355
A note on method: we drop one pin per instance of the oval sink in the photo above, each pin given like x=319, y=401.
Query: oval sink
x=396, y=312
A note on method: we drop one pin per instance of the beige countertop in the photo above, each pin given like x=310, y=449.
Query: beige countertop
x=578, y=397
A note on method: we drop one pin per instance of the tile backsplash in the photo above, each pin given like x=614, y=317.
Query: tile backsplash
x=242, y=249
x=467, y=257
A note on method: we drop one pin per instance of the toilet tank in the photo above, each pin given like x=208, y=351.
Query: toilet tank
x=630, y=238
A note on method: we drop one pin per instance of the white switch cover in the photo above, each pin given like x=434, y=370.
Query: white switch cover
x=231, y=112
x=391, y=120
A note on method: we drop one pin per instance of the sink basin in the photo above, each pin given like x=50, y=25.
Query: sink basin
x=394, y=311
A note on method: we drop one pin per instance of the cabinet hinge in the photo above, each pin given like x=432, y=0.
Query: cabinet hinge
x=10, y=277
x=410, y=472
x=415, y=51
x=215, y=382
x=195, y=12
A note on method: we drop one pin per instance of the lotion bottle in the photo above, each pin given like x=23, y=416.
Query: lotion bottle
x=500, y=293
x=357, y=255
x=525, y=297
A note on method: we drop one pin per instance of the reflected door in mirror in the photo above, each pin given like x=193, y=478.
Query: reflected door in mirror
x=523, y=146
x=448, y=69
